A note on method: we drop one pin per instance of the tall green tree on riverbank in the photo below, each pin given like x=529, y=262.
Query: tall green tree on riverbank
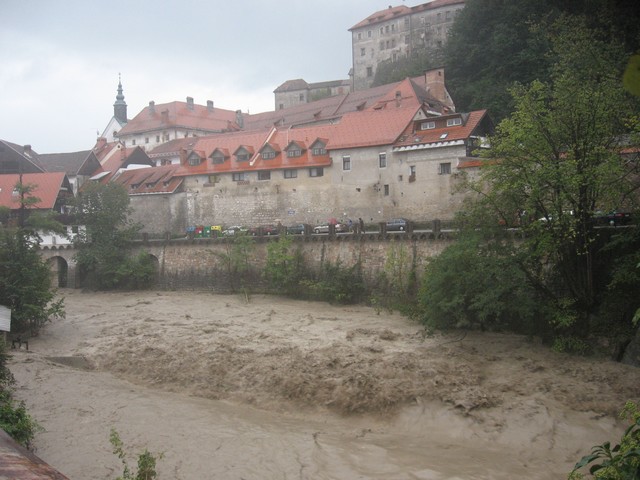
x=554, y=163
x=103, y=244
x=25, y=283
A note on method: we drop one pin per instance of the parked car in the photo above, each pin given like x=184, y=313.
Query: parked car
x=297, y=229
x=397, y=225
x=613, y=219
x=268, y=229
x=324, y=228
x=233, y=230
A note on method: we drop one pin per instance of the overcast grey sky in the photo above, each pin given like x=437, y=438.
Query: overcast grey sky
x=60, y=59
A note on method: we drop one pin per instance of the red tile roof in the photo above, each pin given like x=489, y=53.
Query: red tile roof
x=150, y=180
x=435, y=4
x=180, y=115
x=470, y=122
x=383, y=16
x=48, y=186
x=381, y=124
x=253, y=142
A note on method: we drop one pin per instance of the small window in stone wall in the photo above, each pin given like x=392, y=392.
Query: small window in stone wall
x=239, y=177
x=316, y=172
x=264, y=175
x=291, y=173
x=444, y=169
x=382, y=159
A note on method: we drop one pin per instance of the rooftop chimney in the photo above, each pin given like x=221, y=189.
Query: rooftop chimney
x=210, y=105
x=239, y=119
x=152, y=107
x=434, y=85
x=27, y=150
x=190, y=103
x=398, y=97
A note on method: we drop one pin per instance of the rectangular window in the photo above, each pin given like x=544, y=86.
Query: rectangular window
x=239, y=177
x=268, y=155
x=359, y=35
x=444, y=169
x=242, y=157
x=294, y=152
x=264, y=175
x=363, y=52
x=382, y=159
x=319, y=151
x=133, y=142
x=316, y=172
x=368, y=33
x=369, y=71
x=291, y=173
x=454, y=121
x=427, y=125
x=146, y=139
x=386, y=190
x=157, y=138
x=194, y=161
x=346, y=162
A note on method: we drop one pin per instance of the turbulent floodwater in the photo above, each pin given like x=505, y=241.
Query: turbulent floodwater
x=510, y=412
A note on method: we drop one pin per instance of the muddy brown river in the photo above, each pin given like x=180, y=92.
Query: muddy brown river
x=254, y=388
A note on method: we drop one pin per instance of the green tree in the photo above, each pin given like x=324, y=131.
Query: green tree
x=284, y=268
x=477, y=283
x=620, y=462
x=25, y=283
x=555, y=162
x=104, y=242
x=492, y=45
x=146, y=461
x=236, y=259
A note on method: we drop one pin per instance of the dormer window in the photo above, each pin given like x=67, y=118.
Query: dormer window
x=194, y=160
x=243, y=154
x=295, y=149
x=454, y=121
x=319, y=147
x=269, y=151
x=217, y=158
x=219, y=155
x=242, y=157
x=427, y=125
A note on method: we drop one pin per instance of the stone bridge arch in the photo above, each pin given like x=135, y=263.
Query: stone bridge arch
x=62, y=265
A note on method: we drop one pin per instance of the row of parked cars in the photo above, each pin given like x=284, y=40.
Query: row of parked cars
x=395, y=224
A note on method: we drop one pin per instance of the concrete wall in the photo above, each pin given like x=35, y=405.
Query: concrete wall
x=367, y=190
x=200, y=263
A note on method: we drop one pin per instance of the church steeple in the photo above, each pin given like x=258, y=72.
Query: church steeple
x=120, y=107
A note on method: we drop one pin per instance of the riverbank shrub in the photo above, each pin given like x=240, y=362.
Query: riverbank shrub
x=14, y=418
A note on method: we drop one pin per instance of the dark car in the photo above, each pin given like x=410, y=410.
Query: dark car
x=297, y=229
x=268, y=229
x=613, y=219
x=397, y=225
